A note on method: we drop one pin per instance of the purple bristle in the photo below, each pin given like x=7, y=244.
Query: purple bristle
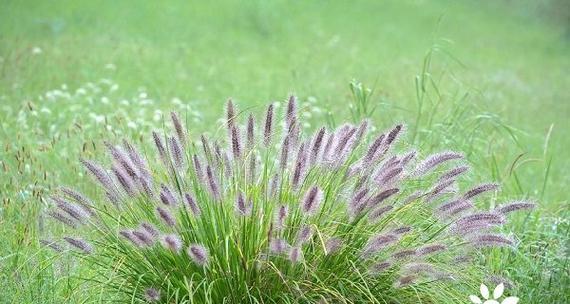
x=515, y=206
x=316, y=148
x=128, y=234
x=480, y=189
x=63, y=219
x=150, y=229
x=304, y=235
x=160, y=147
x=191, y=203
x=333, y=245
x=431, y=249
x=124, y=180
x=199, y=254
x=172, y=242
x=436, y=159
x=198, y=171
x=143, y=236
x=490, y=240
x=166, y=216
x=152, y=295
x=82, y=200
x=278, y=246
x=312, y=200
x=180, y=132
x=80, y=244
x=267, y=133
x=176, y=152
x=296, y=255
x=281, y=217
x=100, y=175
x=250, y=132
x=453, y=173
x=242, y=207
x=166, y=196
x=377, y=213
x=382, y=196
x=377, y=243
x=404, y=254
x=212, y=183
x=236, y=142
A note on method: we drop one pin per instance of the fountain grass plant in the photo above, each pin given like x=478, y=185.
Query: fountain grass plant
x=270, y=215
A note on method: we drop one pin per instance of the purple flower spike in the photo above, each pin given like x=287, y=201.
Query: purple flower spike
x=199, y=254
x=312, y=200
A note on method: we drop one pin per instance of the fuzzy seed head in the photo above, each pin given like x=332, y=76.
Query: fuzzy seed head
x=180, y=132
x=278, y=246
x=166, y=216
x=431, y=249
x=150, y=229
x=236, y=142
x=515, y=206
x=100, y=175
x=152, y=295
x=166, y=196
x=317, y=143
x=199, y=254
x=59, y=216
x=160, y=147
x=478, y=190
x=312, y=200
x=434, y=160
x=128, y=234
x=242, y=207
x=333, y=245
x=296, y=255
x=250, y=132
x=268, y=126
x=191, y=203
x=304, y=235
x=80, y=244
x=176, y=152
x=172, y=242
x=281, y=217
x=491, y=240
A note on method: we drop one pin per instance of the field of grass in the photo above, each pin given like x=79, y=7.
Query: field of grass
x=476, y=76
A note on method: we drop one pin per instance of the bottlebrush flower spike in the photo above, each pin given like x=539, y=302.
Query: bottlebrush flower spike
x=166, y=196
x=176, y=151
x=250, y=132
x=80, y=244
x=515, y=206
x=312, y=200
x=180, y=132
x=198, y=254
x=268, y=126
x=191, y=203
x=166, y=216
x=435, y=160
x=172, y=242
x=242, y=207
x=152, y=295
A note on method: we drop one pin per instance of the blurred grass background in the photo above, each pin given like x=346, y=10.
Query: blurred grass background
x=486, y=77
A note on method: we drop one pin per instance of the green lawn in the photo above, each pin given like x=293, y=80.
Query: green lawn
x=477, y=76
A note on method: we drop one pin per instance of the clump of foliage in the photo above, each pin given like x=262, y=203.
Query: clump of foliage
x=274, y=216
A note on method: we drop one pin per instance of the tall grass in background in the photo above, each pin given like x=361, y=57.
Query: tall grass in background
x=269, y=214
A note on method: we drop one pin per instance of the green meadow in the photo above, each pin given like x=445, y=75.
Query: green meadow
x=488, y=78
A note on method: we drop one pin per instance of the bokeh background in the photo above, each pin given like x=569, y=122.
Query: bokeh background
x=489, y=78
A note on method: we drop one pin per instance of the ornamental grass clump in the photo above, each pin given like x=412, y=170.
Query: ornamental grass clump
x=271, y=215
